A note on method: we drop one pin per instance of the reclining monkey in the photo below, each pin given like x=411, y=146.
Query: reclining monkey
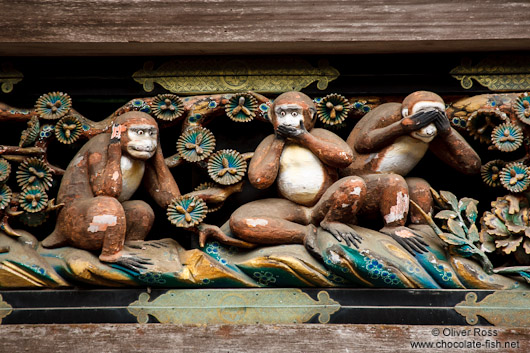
x=304, y=163
x=388, y=142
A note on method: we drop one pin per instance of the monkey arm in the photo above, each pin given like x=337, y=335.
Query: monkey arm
x=108, y=180
x=454, y=150
x=383, y=125
x=328, y=147
x=265, y=164
x=159, y=181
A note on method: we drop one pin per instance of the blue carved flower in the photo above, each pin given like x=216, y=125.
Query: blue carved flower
x=490, y=172
x=522, y=108
x=241, y=107
x=167, y=107
x=212, y=104
x=5, y=170
x=378, y=271
x=5, y=196
x=68, y=129
x=515, y=177
x=53, y=105
x=34, y=172
x=186, y=211
x=140, y=105
x=507, y=137
x=46, y=131
x=333, y=109
x=264, y=277
x=196, y=144
x=33, y=199
x=227, y=167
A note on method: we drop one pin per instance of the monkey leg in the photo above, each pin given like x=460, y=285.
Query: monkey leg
x=387, y=194
x=272, y=221
x=340, y=202
x=338, y=206
x=93, y=224
x=139, y=219
x=420, y=192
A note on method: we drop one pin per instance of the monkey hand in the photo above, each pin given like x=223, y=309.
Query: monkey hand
x=115, y=137
x=207, y=231
x=408, y=239
x=442, y=124
x=341, y=231
x=291, y=131
x=419, y=120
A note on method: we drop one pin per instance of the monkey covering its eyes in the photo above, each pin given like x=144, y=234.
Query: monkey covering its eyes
x=387, y=143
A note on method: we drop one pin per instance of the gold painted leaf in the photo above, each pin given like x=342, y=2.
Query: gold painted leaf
x=451, y=239
x=456, y=228
x=450, y=198
x=508, y=245
x=472, y=234
x=471, y=211
x=446, y=214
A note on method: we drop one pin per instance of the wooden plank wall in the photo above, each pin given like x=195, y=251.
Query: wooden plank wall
x=176, y=27
x=261, y=338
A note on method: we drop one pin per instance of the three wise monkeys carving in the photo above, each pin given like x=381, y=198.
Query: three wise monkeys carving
x=322, y=180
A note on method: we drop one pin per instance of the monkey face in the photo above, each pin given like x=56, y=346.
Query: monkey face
x=289, y=115
x=140, y=141
x=292, y=109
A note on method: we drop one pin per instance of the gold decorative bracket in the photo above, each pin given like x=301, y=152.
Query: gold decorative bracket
x=234, y=306
x=497, y=72
x=502, y=308
x=216, y=75
x=5, y=309
x=9, y=77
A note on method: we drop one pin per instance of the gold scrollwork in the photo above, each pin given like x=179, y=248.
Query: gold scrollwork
x=5, y=309
x=502, y=308
x=9, y=77
x=497, y=72
x=234, y=306
x=214, y=75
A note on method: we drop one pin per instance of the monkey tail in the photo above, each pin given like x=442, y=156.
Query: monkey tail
x=54, y=240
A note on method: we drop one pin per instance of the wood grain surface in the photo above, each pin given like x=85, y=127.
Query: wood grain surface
x=162, y=27
x=258, y=338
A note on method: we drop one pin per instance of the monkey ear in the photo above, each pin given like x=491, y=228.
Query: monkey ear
x=313, y=113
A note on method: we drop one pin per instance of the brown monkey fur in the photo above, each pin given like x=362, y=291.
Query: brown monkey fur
x=304, y=162
x=99, y=181
x=388, y=142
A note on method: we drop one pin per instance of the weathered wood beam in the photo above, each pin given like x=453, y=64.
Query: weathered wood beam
x=263, y=338
x=163, y=27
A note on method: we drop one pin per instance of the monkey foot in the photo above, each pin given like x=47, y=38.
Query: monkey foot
x=130, y=261
x=207, y=231
x=342, y=232
x=310, y=243
x=407, y=238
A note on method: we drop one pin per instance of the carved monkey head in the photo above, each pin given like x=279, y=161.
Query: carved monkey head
x=139, y=137
x=422, y=101
x=291, y=108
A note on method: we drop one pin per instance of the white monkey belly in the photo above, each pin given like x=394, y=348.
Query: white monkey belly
x=404, y=154
x=301, y=174
x=132, y=171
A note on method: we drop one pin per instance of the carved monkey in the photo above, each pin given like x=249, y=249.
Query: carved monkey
x=99, y=182
x=304, y=162
x=388, y=142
